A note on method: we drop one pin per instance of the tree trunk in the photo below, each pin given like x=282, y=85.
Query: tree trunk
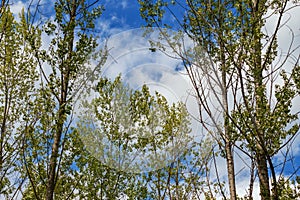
x=227, y=136
x=230, y=170
x=260, y=103
x=263, y=176
x=54, y=154
x=65, y=69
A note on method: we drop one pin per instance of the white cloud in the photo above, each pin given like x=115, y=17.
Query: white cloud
x=16, y=7
x=104, y=28
x=243, y=190
x=131, y=55
x=124, y=4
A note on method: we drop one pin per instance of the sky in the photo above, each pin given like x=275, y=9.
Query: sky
x=130, y=55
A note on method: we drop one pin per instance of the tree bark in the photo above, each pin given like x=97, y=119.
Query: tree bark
x=230, y=170
x=54, y=154
x=227, y=137
x=263, y=176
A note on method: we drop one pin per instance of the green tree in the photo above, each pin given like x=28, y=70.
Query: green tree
x=18, y=75
x=142, y=144
x=65, y=70
x=259, y=115
x=288, y=189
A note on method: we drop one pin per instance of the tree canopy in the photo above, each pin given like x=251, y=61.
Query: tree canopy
x=69, y=132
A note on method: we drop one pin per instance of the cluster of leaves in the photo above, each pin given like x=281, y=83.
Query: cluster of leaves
x=17, y=78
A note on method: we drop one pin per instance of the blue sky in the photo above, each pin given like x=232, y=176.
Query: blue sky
x=122, y=13
x=125, y=14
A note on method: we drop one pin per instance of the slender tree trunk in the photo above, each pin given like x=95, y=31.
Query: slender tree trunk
x=252, y=179
x=7, y=101
x=54, y=155
x=3, y=131
x=65, y=69
x=229, y=152
x=227, y=137
x=261, y=159
x=230, y=170
x=262, y=162
x=260, y=104
x=3, y=123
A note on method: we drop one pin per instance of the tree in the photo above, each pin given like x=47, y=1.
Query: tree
x=65, y=70
x=142, y=144
x=17, y=79
x=258, y=120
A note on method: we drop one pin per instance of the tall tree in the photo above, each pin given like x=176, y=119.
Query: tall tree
x=232, y=34
x=65, y=69
x=17, y=78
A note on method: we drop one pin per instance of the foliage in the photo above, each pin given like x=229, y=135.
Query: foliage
x=288, y=189
x=132, y=121
x=124, y=129
x=17, y=78
x=65, y=70
x=133, y=144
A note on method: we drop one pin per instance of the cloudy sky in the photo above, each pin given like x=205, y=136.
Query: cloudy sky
x=130, y=56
